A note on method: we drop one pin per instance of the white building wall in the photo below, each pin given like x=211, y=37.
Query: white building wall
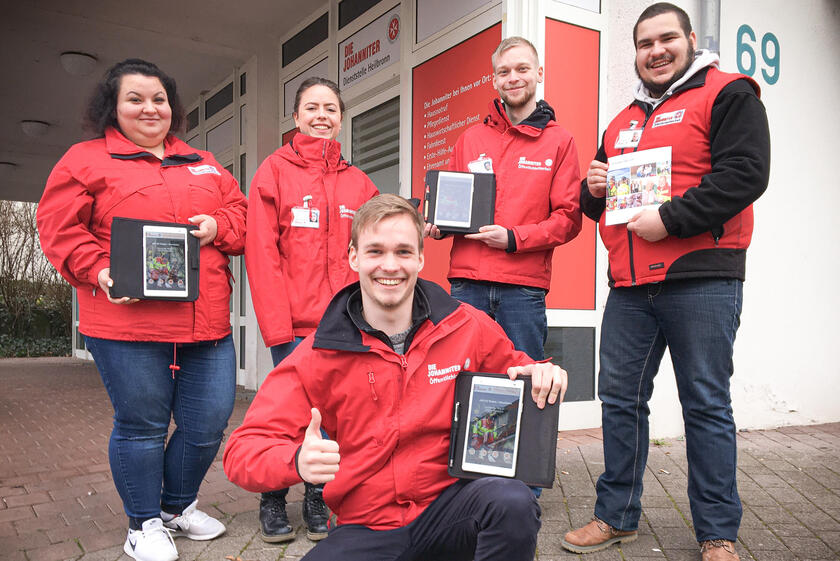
x=787, y=370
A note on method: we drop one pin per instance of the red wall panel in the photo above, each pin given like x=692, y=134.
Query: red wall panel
x=450, y=92
x=571, y=88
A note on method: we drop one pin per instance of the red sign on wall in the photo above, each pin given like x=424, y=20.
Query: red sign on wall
x=451, y=92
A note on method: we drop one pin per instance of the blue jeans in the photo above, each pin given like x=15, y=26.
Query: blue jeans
x=697, y=320
x=281, y=351
x=150, y=473
x=520, y=310
x=489, y=519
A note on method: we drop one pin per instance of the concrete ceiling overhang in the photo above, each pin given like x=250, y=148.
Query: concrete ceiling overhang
x=197, y=42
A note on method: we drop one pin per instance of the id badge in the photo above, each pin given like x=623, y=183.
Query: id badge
x=628, y=138
x=484, y=164
x=305, y=217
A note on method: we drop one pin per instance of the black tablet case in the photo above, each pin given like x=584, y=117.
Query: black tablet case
x=484, y=201
x=127, y=259
x=535, y=461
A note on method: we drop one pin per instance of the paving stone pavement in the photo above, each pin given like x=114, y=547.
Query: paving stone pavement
x=58, y=501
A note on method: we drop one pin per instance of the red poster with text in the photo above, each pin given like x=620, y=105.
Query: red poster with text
x=571, y=88
x=451, y=93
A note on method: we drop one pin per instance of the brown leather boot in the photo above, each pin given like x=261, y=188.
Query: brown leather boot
x=595, y=536
x=718, y=550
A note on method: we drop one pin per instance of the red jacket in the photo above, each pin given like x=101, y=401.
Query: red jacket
x=717, y=130
x=389, y=413
x=294, y=270
x=111, y=176
x=537, y=191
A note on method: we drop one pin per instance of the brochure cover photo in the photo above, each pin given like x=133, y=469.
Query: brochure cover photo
x=637, y=181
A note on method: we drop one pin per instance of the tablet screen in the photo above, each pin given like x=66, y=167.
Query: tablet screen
x=165, y=261
x=492, y=438
x=453, y=206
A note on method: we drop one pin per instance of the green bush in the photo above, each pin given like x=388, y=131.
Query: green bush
x=35, y=321
x=11, y=346
x=35, y=302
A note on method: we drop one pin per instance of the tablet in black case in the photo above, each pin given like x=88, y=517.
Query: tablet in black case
x=459, y=203
x=536, y=454
x=169, y=269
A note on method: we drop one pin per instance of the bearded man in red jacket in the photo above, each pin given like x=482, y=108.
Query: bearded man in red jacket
x=377, y=375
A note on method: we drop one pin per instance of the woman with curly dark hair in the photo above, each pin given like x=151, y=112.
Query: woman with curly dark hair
x=159, y=360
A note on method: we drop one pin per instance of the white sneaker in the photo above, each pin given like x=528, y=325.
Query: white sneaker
x=194, y=524
x=152, y=543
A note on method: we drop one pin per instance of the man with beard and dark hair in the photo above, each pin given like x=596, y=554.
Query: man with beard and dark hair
x=505, y=269
x=676, y=275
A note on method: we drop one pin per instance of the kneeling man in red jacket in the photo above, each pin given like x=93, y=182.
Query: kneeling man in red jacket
x=378, y=375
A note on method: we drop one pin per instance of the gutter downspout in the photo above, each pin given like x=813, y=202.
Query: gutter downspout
x=709, y=35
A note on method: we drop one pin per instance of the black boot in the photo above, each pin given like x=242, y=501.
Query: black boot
x=274, y=524
x=315, y=513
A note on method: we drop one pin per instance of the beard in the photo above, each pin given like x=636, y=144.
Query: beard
x=657, y=90
x=519, y=102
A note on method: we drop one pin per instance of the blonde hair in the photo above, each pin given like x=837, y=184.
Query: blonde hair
x=378, y=209
x=511, y=42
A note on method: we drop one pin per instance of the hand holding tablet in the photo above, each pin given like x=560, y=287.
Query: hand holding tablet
x=153, y=260
x=506, y=424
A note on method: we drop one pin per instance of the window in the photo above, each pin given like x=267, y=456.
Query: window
x=305, y=39
x=80, y=339
x=231, y=269
x=220, y=138
x=348, y=10
x=243, y=293
x=434, y=15
x=243, y=123
x=218, y=101
x=376, y=145
x=242, y=340
x=243, y=176
x=192, y=119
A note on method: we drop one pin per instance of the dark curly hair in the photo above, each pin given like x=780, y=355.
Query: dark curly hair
x=101, y=110
x=318, y=81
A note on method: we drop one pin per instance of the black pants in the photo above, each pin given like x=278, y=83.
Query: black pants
x=487, y=519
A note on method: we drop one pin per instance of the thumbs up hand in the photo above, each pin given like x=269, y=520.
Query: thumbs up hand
x=318, y=458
